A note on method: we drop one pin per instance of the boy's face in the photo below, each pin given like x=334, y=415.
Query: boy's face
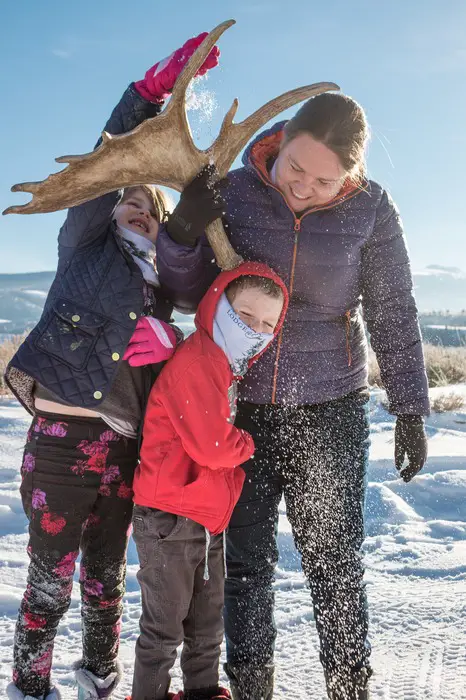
x=136, y=212
x=259, y=311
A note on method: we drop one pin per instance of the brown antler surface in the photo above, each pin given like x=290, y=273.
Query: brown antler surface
x=160, y=151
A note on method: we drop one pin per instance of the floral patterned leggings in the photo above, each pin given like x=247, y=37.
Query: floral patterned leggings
x=77, y=476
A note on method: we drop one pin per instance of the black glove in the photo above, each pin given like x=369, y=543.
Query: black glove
x=200, y=203
x=410, y=441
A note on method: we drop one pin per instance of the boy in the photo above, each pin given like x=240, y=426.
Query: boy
x=189, y=481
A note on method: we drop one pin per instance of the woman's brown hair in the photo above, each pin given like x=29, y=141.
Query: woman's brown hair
x=338, y=122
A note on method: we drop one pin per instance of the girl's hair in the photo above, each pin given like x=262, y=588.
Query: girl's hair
x=338, y=122
x=265, y=284
x=159, y=200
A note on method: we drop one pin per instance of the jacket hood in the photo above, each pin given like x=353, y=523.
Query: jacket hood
x=204, y=319
x=264, y=146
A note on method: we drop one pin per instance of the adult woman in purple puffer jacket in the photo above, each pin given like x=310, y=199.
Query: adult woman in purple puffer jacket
x=301, y=203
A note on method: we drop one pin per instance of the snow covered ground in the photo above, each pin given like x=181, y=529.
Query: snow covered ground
x=416, y=574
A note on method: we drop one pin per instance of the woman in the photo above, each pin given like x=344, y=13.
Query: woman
x=302, y=204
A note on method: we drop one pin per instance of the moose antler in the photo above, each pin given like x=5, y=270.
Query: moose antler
x=161, y=151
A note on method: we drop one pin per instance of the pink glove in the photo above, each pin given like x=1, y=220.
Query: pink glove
x=152, y=341
x=160, y=79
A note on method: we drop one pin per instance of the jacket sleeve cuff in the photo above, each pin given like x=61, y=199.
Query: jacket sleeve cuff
x=183, y=272
x=141, y=87
x=416, y=407
x=170, y=254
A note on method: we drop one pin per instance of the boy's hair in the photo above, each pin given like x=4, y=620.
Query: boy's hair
x=265, y=284
x=159, y=200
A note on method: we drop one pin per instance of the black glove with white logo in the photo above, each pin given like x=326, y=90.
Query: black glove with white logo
x=410, y=442
x=201, y=202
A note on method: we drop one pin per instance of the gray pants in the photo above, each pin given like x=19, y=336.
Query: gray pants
x=178, y=603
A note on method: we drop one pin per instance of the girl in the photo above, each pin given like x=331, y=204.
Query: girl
x=87, y=404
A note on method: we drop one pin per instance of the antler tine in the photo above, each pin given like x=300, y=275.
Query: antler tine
x=279, y=104
x=177, y=104
x=196, y=61
x=176, y=108
x=233, y=137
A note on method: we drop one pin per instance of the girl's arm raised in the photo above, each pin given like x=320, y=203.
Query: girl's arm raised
x=142, y=100
x=86, y=222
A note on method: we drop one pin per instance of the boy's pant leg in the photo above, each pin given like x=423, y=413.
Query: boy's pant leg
x=324, y=493
x=166, y=577
x=203, y=626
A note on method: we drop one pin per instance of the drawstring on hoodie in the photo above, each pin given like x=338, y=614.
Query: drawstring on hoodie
x=348, y=329
x=224, y=553
x=208, y=538
x=207, y=545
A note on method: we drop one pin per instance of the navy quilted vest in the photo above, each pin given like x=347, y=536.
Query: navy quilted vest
x=89, y=316
x=95, y=300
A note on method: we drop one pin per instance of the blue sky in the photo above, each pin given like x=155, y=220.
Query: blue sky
x=65, y=65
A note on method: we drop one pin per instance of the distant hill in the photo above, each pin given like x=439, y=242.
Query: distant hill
x=438, y=289
x=22, y=298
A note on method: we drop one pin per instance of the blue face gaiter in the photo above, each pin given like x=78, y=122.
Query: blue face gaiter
x=239, y=342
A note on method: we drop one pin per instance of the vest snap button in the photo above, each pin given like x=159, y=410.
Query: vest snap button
x=115, y=356
x=132, y=315
x=97, y=394
x=75, y=318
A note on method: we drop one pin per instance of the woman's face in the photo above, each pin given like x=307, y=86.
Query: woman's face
x=136, y=212
x=307, y=173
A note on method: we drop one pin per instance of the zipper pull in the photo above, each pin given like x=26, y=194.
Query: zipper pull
x=297, y=225
x=348, y=337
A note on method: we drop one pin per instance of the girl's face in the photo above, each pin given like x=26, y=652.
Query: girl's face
x=136, y=212
x=307, y=173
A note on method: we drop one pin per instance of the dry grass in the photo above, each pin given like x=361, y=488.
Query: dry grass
x=444, y=366
x=7, y=350
x=448, y=401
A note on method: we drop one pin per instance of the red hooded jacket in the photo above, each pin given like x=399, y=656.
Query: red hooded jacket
x=191, y=450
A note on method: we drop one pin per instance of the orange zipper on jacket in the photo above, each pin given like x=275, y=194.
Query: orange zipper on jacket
x=348, y=339
x=297, y=228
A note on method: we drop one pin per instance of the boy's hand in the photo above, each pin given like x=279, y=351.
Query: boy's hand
x=160, y=79
x=153, y=341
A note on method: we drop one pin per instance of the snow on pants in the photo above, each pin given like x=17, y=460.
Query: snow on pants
x=316, y=456
x=77, y=476
x=179, y=605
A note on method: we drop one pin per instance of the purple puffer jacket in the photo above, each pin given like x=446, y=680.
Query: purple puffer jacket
x=338, y=260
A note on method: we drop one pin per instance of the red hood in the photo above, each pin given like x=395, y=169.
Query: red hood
x=206, y=311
